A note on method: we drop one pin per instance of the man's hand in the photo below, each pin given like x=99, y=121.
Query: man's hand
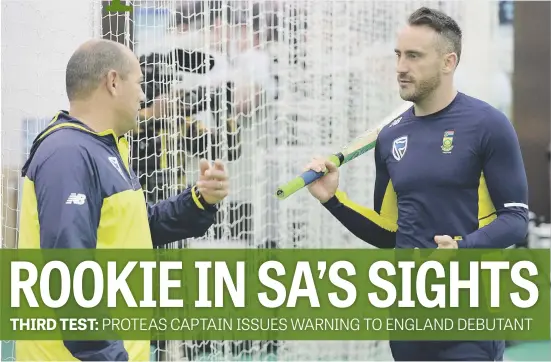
x=325, y=187
x=445, y=242
x=213, y=181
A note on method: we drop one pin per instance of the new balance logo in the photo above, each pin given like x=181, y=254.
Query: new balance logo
x=77, y=199
x=395, y=122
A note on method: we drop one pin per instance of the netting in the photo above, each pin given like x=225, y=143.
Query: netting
x=291, y=79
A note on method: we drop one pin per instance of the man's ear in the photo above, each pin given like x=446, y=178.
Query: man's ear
x=112, y=82
x=450, y=63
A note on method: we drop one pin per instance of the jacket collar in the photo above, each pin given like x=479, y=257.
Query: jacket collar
x=63, y=120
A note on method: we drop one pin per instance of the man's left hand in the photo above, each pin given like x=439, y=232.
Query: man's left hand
x=445, y=242
x=213, y=181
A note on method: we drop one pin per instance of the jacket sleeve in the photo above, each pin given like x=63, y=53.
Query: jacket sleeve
x=505, y=176
x=375, y=226
x=69, y=204
x=180, y=217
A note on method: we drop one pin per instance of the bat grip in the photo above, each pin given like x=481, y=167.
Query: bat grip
x=311, y=176
x=297, y=183
x=305, y=179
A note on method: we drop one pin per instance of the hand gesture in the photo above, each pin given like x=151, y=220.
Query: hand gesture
x=213, y=181
x=325, y=187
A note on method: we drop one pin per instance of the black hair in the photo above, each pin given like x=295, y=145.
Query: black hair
x=443, y=24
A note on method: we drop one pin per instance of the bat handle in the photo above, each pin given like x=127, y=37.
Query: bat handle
x=311, y=176
x=305, y=179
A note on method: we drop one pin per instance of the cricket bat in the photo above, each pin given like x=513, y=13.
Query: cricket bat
x=357, y=147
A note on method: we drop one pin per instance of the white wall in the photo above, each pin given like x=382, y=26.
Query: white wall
x=38, y=37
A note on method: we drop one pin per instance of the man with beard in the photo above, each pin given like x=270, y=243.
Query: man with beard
x=449, y=171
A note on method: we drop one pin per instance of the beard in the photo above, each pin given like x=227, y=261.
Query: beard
x=417, y=91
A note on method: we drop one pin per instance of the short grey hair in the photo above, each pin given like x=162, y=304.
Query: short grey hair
x=90, y=63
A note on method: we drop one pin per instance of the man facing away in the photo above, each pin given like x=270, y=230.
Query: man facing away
x=79, y=191
x=449, y=171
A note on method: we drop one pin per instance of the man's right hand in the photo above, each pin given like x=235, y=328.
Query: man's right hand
x=325, y=187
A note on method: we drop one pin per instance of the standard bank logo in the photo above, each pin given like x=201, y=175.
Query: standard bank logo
x=399, y=147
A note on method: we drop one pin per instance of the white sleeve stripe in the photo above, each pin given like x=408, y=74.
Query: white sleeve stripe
x=516, y=204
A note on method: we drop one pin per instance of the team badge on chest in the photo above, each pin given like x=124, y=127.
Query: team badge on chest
x=399, y=147
x=447, y=141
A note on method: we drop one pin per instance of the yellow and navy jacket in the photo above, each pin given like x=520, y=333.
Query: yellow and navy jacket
x=79, y=192
x=457, y=172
